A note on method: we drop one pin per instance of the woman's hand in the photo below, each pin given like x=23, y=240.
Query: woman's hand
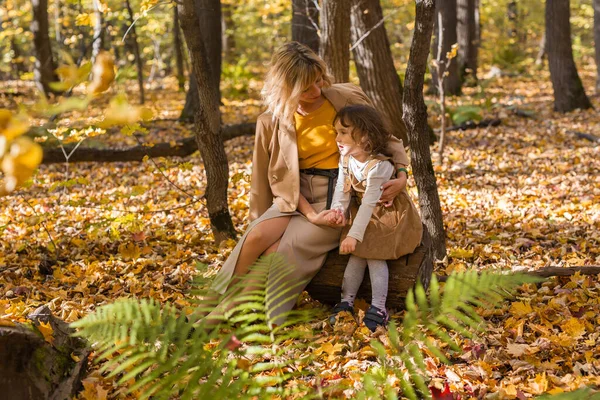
x=391, y=189
x=321, y=218
x=348, y=245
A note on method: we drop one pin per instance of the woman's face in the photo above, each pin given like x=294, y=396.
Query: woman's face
x=313, y=92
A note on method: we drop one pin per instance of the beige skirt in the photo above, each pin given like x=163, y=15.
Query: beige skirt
x=303, y=244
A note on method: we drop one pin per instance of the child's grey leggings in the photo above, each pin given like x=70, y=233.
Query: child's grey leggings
x=353, y=277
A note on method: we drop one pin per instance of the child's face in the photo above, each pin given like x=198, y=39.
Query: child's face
x=346, y=142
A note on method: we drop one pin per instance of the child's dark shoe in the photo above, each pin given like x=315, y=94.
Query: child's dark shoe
x=375, y=317
x=339, y=307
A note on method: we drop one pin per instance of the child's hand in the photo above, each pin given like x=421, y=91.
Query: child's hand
x=348, y=245
x=336, y=217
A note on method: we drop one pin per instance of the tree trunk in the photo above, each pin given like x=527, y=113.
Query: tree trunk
x=43, y=72
x=305, y=23
x=136, y=52
x=568, y=90
x=98, y=43
x=335, y=38
x=375, y=65
x=227, y=29
x=32, y=368
x=208, y=123
x=597, y=41
x=512, y=13
x=403, y=274
x=446, y=13
x=209, y=21
x=415, y=118
x=178, y=50
x=468, y=43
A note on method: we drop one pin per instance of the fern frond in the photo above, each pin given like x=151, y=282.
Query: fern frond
x=452, y=309
x=170, y=357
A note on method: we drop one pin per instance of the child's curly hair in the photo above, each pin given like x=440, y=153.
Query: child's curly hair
x=367, y=127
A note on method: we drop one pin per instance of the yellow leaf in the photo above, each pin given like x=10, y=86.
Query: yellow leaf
x=573, y=328
x=11, y=125
x=47, y=331
x=129, y=251
x=520, y=309
x=461, y=253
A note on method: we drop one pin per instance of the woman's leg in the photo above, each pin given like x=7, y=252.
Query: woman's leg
x=260, y=239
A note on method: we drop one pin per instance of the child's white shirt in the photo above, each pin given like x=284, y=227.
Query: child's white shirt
x=379, y=174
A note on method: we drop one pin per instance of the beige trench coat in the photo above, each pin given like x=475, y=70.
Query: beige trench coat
x=275, y=189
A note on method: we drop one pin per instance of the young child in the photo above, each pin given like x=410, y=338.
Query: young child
x=374, y=232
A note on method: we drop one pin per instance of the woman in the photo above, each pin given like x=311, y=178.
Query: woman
x=295, y=164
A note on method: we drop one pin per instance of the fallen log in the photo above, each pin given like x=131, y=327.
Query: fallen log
x=182, y=148
x=548, y=272
x=403, y=274
x=472, y=125
x=32, y=368
x=586, y=136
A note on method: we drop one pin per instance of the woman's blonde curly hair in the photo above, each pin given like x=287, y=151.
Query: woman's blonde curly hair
x=294, y=67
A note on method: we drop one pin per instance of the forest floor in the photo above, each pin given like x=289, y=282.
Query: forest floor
x=524, y=194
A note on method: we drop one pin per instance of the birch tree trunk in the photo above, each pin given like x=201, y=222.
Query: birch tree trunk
x=568, y=90
x=375, y=65
x=415, y=118
x=305, y=23
x=208, y=123
x=98, y=41
x=335, y=38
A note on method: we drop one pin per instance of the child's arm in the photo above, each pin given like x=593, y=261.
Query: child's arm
x=340, y=200
x=380, y=174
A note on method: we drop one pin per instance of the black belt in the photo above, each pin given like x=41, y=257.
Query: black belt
x=329, y=173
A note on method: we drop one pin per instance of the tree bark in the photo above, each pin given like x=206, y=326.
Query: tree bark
x=415, y=118
x=98, y=43
x=568, y=90
x=209, y=22
x=305, y=23
x=136, y=52
x=43, y=71
x=182, y=148
x=375, y=65
x=32, y=368
x=335, y=38
x=468, y=43
x=446, y=13
x=208, y=123
x=178, y=50
x=597, y=42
